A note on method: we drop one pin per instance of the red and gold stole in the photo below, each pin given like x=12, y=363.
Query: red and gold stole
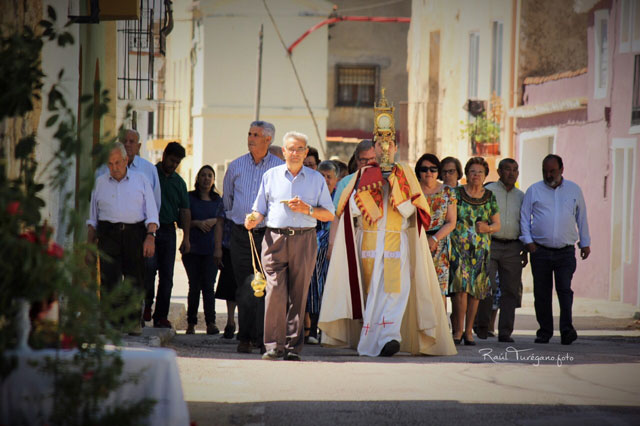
x=403, y=186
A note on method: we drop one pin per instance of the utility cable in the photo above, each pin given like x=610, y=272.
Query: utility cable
x=295, y=71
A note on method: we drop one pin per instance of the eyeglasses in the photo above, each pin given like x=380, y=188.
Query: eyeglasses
x=449, y=171
x=476, y=172
x=297, y=150
x=365, y=160
x=432, y=169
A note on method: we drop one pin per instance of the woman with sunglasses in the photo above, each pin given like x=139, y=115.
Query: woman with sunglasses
x=442, y=201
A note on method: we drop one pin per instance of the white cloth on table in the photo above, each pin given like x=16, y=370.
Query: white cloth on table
x=25, y=394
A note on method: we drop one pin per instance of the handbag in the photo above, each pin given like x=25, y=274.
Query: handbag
x=259, y=282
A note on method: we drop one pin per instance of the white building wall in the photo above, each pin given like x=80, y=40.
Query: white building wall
x=455, y=19
x=225, y=74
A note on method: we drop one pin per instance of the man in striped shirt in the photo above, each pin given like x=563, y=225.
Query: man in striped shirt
x=241, y=184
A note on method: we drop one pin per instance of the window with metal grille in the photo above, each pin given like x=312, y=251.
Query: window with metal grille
x=635, y=107
x=357, y=85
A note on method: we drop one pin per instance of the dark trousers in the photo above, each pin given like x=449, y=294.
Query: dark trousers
x=288, y=265
x=122, y=256
x=201, y=271
x=250, y=308
x=547, y=264
x=163, y=262
x=505, y=259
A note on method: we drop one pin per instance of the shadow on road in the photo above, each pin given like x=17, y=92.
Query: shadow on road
x=407, y=413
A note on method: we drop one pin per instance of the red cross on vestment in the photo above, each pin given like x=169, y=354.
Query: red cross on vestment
x=384, y=323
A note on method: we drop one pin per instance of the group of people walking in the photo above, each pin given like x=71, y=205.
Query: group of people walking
x=370, y=259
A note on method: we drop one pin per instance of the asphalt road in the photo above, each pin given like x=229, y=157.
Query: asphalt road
x=595, y=381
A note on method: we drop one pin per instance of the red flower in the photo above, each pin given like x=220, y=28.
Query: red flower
x=55, y=250
x=29, y=236
x=87, y=375
x=14, y=208
x=67, y=342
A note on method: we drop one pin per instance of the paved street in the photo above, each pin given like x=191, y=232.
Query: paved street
x=595, y=381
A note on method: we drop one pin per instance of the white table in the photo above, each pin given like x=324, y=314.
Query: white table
x=25, y=394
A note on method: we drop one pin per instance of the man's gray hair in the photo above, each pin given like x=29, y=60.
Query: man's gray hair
x=295, y=135
x=268, y=129
x=328, y=166
x=134, y=131
x=120, y=147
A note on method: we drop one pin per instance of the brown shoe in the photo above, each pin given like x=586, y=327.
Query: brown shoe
x=191, y=329
x=212, y=328
x=245, y=347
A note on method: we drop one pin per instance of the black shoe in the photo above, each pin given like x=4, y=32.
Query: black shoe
x=229, y=330
x=542, y=340
x=468, y=342
x=244, y=347
x=212, y=328
x=272, y=354
x=390, y=348
x=292, y=356
x=482, y=334
x=569, y=337
x=505, y=339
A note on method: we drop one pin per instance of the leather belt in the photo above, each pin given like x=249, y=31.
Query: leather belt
x=119, y=226
x=503, y=240
x=291, y=231
x=555, y=248
x=254, y=230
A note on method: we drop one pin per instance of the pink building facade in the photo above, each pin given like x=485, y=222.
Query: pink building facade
x=591, y=118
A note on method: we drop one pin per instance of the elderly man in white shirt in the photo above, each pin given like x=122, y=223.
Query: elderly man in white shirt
x=123, y=221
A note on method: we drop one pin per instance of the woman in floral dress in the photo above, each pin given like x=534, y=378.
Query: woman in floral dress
x=442, y=201
x=478, y=218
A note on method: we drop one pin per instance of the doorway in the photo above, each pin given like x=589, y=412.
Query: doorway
x=623, y=164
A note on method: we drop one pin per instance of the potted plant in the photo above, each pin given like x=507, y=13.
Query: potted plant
x=484, y=135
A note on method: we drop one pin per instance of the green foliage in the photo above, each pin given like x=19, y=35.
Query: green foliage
x=481, y=131
x=34, y=267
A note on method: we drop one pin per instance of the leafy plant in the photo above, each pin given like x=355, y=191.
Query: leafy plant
x=482, y=130
x=37, y=268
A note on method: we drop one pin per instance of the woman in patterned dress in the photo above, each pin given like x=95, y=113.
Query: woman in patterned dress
x=478, y=218
x=442, y=201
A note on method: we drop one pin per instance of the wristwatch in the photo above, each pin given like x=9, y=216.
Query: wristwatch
x=310, y=210
x=153, y=234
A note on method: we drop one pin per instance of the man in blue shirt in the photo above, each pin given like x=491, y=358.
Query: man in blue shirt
x=123, y=220
x=291, y=199
x=552, y=218
x=240, y=187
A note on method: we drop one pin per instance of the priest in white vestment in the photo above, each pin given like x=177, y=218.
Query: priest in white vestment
x=382, y=294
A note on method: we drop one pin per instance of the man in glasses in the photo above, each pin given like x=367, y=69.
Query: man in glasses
x=363, y=155
x=240, y=186
x=290, y=200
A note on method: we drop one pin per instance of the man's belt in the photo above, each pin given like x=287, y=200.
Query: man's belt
x=254, y=230
x=110, y=226
x=504, y=240
x=555, y=248
x=291, y=231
